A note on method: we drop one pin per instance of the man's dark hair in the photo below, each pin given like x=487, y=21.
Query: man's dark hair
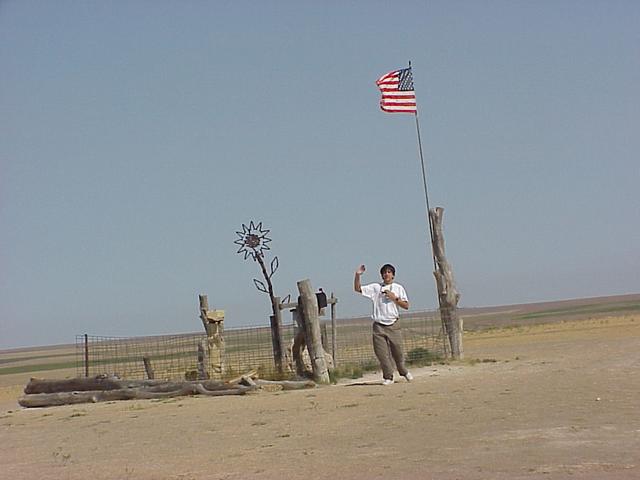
x=388, y=266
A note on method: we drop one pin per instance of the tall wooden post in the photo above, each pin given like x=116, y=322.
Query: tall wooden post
x=312, y=332
x=275, y=319
x=298, y=341
x=334, y=330
x=148, y=368
x=86, y=355
x=213, y=322
x=276, y=336
x=201, y=368
x=448, y=295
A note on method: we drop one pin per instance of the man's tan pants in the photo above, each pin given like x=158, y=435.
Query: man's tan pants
x=387, y=345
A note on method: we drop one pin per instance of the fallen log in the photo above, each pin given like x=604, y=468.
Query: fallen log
x=240, y=378
x=69, y=398
x=47, y=393
x=287, y=384
x=38, y=385
x=248, y=381
x=208, y=385
x=236, y=390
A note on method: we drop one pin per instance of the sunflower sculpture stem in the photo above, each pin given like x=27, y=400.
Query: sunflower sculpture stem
x=276, y=323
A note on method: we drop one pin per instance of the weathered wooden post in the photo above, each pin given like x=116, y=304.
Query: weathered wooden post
x=298, y=341
x=448, y=295
x=276, y=335
x=86, y=355
x=334, y=330
x=324, y=336
x=313, y=336
x=148, y=368
x=201, y=368
x=213, y=322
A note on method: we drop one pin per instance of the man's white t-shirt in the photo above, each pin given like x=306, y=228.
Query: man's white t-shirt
x=385, y=311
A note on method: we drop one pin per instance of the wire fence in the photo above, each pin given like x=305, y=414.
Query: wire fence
x=176, y=356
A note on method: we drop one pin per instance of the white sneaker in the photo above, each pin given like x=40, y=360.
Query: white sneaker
x=409, y=377
x=386, y=381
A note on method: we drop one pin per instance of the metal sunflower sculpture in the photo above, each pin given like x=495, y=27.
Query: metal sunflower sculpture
x=253, y=242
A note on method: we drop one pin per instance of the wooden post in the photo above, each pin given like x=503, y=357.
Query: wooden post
x=276, y=336
x=448, y=295
x=148, y=368
x=204, y=306
x=312, y=332
x=213, y=322
x=298, y=341
x=276, y=322
x=202, y=370
x=334, y=330
x=86, y=355
x=323, y=335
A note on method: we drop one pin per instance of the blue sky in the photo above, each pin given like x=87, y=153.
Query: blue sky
x=137, y=137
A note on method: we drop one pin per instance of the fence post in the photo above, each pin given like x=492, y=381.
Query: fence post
x=323, y=334
x=312, y=331
x=276, y=337
x=334, y=331
x=148, y=368
x=86, y=355
x=298, y=340
x=202, y=370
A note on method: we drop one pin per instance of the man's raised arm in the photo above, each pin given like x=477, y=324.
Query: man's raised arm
x=356, y=279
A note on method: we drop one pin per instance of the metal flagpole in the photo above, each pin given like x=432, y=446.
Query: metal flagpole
x=426, y=198
x=424, y=183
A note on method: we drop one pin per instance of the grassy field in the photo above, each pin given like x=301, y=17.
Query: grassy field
x=549, y=312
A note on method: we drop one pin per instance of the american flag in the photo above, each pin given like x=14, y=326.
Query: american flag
x=398, y=95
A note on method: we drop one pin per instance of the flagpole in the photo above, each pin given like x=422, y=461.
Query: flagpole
x=424, y=184
x=426, y=198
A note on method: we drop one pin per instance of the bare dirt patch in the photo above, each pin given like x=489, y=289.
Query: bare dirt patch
x=553, y=401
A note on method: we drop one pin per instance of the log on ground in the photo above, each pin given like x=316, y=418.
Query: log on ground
x=38, y=385
x=287, y=384
x=69, y=398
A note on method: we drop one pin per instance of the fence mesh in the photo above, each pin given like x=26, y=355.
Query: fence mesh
x=176, y=356
x=170, y=356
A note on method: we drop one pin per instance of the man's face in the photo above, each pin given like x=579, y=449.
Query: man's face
x=387, y=276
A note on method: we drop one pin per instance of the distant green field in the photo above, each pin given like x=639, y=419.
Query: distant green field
x=37, y=368
x=630, y=307
x=35, y=357
x=72, y=363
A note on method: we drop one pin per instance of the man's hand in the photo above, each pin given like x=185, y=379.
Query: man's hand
x=356, y=278
x=391, y=296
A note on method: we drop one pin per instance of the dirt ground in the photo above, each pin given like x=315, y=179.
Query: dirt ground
x=554, y=401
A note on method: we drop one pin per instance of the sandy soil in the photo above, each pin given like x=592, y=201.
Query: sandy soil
x=553, y=401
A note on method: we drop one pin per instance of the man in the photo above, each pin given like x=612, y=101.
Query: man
x=387, y=338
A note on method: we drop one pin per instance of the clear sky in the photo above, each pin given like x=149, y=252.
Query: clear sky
x=136, y=137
